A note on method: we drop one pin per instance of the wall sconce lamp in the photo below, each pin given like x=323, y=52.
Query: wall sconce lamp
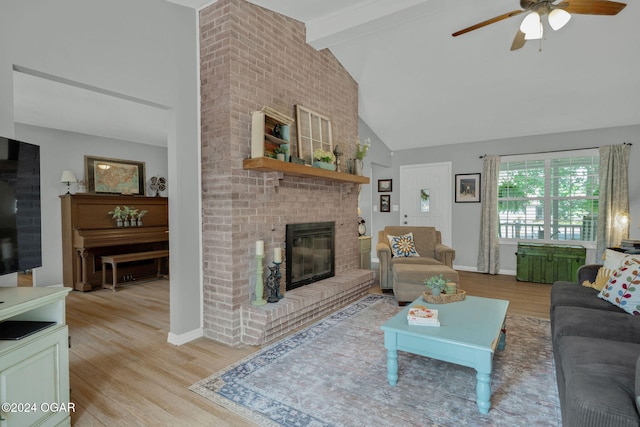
x=67, y=178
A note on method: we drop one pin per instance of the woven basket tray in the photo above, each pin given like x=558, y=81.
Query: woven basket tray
x=444, y=298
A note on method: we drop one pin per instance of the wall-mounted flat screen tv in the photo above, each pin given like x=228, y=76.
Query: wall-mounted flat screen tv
x=20, y=226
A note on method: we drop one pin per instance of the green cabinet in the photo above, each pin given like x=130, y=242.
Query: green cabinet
x=544, y=263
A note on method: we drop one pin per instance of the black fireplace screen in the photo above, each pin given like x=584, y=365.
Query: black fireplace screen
x=310, y=253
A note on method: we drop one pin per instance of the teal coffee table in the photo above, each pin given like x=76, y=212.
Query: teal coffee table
x=469, y=332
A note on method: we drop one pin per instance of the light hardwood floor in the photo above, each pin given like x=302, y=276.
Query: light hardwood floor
x=124, y=373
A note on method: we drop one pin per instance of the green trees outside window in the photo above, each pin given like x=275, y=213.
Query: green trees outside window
x=549, y=197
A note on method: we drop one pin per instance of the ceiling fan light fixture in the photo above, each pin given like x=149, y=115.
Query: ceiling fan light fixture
x=531, y=23
x=534, y=36
x=558, y=18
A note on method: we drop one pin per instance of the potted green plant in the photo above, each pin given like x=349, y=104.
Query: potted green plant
x=324, y=159
x=116, y=214
x=361, y=151
x=142, y=213
x=126, y=215
x=280, y=153
x=436, y=284
x=133, y=213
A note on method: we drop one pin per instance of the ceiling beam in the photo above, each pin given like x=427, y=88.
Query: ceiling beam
x=360, y=19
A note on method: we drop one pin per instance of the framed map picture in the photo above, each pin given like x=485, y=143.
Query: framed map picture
x=114, y=176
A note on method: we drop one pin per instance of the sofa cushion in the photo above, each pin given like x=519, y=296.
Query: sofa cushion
x=418, y=273
x=417, y=261
x=587, y=322
x=402, y=246
x=599, y=381
x=622, y=289
x=573, y=295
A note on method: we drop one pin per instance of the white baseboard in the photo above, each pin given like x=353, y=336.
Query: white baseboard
x=475, y=270
x=176, y=339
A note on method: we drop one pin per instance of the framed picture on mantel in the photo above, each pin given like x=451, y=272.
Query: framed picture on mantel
x=114, y=176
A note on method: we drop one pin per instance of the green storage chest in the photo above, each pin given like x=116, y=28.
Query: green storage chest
x=544, y=263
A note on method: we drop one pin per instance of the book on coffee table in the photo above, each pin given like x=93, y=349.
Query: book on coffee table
x=423, y=316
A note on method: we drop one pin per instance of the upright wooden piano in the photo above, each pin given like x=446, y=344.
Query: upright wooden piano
x=89, y=232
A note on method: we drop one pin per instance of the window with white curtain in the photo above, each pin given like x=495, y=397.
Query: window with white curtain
x=549, y=197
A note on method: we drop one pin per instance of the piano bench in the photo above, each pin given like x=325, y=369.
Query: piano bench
x=114, y=260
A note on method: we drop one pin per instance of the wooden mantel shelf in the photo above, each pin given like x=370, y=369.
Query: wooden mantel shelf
x=266, y=164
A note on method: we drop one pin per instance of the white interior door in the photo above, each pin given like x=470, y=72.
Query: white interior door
x=425, y=197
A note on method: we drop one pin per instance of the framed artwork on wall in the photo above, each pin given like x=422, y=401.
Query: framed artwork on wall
x=384, y=185
x=385, y=203
x=114, y=176
x=467, y=188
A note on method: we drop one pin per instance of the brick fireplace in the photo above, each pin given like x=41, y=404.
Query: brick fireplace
x=251, y=58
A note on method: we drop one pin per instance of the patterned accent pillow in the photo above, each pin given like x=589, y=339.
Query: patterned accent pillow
x=402, y=246
x=622, y=289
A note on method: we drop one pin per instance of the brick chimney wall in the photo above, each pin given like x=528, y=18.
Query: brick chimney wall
x=250, y=58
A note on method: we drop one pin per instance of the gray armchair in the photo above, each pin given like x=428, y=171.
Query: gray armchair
x=429, y=246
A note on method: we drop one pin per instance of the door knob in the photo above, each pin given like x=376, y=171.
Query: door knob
x=405, y=222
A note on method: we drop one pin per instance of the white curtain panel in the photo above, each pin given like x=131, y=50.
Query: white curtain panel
x=613, y=197
x=489, y=248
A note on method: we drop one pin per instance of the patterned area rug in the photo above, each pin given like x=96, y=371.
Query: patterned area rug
x=334, y=373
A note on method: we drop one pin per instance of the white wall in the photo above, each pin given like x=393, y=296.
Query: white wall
x=376, y=163
x=465, y=159
x=145, y=49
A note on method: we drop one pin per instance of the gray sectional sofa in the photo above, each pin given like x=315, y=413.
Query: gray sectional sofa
x=596, y=347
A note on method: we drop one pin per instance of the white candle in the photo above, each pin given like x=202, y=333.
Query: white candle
x=259, y=248
x=277, y=255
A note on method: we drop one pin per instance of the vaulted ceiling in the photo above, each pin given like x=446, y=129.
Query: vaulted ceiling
x=419, y=86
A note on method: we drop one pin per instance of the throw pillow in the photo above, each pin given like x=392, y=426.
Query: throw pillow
x=602, y=277
x=622, y=289
x=612, y=261
x=402, y=246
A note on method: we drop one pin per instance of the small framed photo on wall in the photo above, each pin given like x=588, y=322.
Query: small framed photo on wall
x=385, y=203
x=384, y=185
x=467, y=188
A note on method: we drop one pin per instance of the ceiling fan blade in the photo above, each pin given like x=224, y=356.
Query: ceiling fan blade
x=518, y=40
x=592, y=7
x=488, y=22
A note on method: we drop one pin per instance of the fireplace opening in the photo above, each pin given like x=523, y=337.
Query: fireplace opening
x=310, y=253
